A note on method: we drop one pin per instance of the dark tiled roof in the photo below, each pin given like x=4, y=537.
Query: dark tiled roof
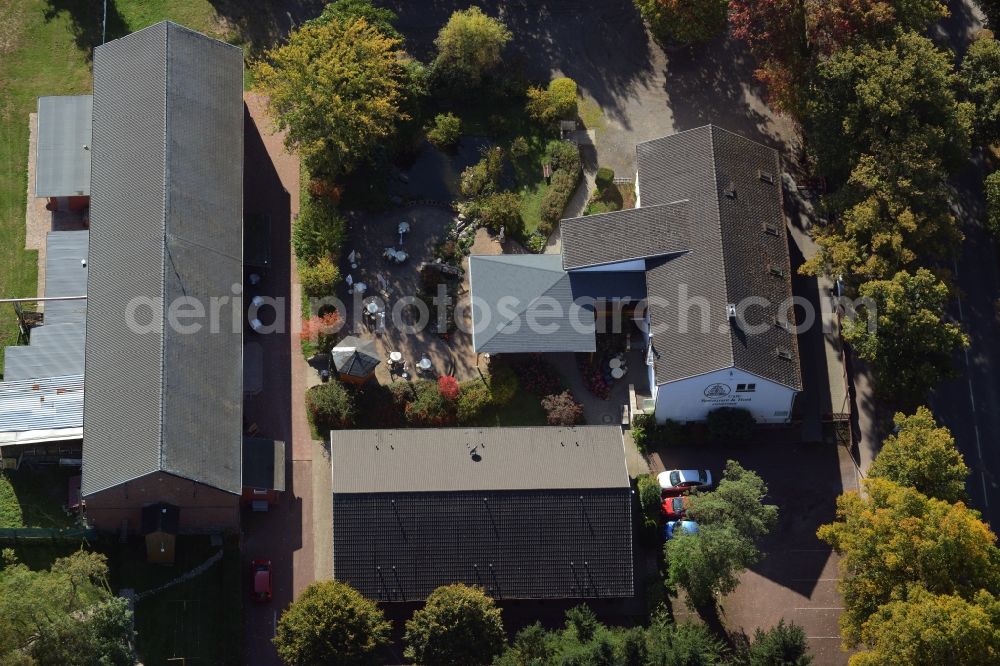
x=454, y=459
x=166, y=215
x=355, y=357
x=637, y=233
x=513, y=290
x=540, y=544
x=739, y=250
x=524, y=512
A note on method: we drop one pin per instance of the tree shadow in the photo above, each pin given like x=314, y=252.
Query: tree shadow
x=87, y=21
x=262, y=24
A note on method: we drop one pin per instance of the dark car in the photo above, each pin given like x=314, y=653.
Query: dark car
x=260, y=580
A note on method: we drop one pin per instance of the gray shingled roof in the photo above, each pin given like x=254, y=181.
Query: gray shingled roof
x=738, y=238
x=542, y=513
x=636, y=233
x=511, y=291
x=62, y=155
x=166, y=222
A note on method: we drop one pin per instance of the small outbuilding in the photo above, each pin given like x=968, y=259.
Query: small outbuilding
x=159, y=527
x=62, y=151
x=354, y=360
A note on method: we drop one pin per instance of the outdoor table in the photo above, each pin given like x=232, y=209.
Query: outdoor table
x=425, y=363
x=256, y=301
x=372, y=308
x=361, y=287
x=617, y=373
x=401, y=256
x=615, y=363
x=395, y=356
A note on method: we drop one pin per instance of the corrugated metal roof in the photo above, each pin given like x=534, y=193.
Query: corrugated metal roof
x=456, y=459
x=46, y=409
x=512, y=291
x=56, y=347
x=62, y=158
x=166, y=219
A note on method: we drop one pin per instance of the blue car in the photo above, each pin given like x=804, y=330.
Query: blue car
x=680, y=526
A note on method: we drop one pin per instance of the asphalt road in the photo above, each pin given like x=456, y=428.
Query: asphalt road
x=970, y=404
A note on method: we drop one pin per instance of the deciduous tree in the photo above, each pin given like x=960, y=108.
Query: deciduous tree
x=331, y=624
x=901, y=331
x=781, y=645
x=347, y=11
x=737, y=501
x=708, y=563
x=896, y=102
x=981, y=78
x=63, y=615
x=457, y=625
x=992, y=191
x=684, y=21
x=336, y=88
x=930, y=629
x=923, y=456
x=469, y=45
x=894, y=538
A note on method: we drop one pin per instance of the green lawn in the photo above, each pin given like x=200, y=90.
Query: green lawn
x=524, y=410
x=45, y=48
x=199, y=619
x=35, y=498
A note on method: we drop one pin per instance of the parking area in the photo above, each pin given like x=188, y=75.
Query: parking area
x=797, y=577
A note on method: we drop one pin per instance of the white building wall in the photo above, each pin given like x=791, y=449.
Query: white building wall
x=693, y=398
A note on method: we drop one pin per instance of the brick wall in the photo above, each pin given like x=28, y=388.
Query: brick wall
x=202, y=508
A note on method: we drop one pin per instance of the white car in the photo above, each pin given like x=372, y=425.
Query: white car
x=677, y=481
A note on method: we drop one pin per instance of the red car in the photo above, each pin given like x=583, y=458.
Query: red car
x=674, y=508
x=260, y=580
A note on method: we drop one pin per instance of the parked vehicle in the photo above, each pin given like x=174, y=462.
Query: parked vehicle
x=674, y=508
x=679, y=527
x=260, y=580
x=677, y=481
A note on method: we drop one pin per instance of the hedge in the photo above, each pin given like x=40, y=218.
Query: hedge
x=567, y=168
x=729, y=424
x=318, y=231
x=330, y=406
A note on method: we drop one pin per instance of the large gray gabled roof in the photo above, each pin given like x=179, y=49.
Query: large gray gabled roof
x=739, y=251
x=622, y=236
x=166, y=223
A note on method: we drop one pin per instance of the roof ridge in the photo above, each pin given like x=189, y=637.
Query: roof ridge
x=718, y=229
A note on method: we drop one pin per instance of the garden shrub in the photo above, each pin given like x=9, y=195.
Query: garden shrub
x=642, y=425
x=500, y=209
x=557, y=102
x=428, y=407
x=536, y=243
x=562, y=409
x=321, y=331
x=483, y=176
x=992, y=187
x=649, y=536
x=319, y=279
x=448, y=387
x=649, y=495
x=563, y=156
x=605, y=178
x=377, y=407
x=729, y=424
x=519, y=148
x=330, y=406
x=318, y=231
x=446, y=131
x=402, y=393
x=538, y=376
x=474, y=398
x=503, y=382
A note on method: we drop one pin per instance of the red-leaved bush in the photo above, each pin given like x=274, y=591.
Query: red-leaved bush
x=448, y=387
